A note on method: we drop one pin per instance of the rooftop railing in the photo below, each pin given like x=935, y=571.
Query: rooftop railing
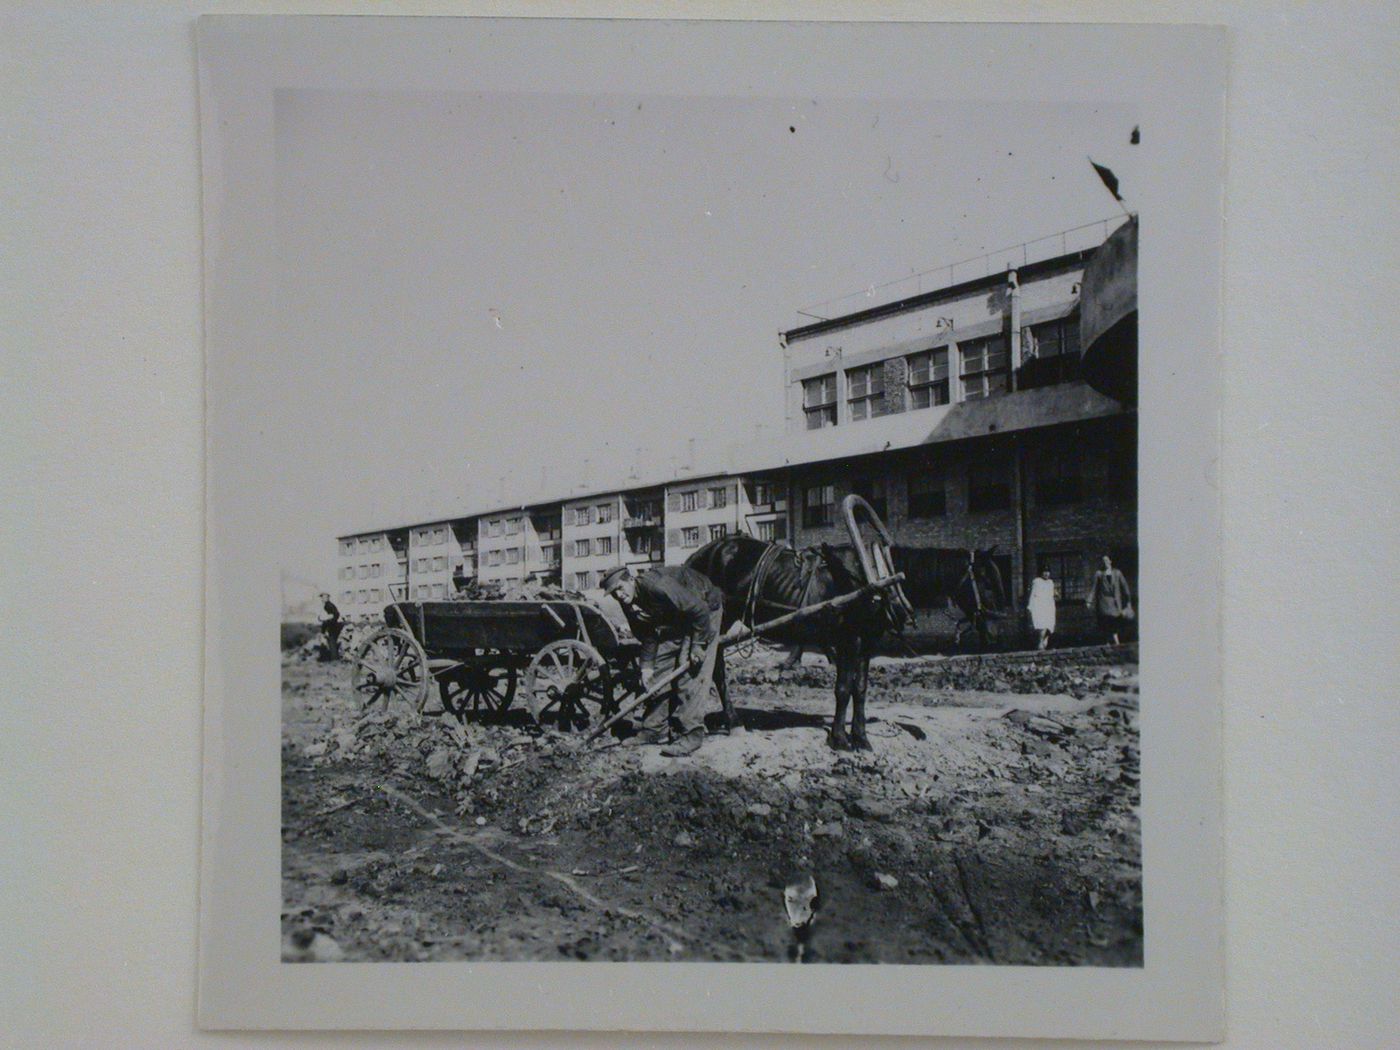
x=1075, y=239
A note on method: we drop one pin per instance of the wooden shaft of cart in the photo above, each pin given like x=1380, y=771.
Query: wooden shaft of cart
x=741, y=636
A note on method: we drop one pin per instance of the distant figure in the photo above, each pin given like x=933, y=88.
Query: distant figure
x=1042, y=607
x=1111, y=601
x=331, y=625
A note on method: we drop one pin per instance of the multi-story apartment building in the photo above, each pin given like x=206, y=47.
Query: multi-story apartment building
x=592, y=539
x=958, y=413
x=520, y=544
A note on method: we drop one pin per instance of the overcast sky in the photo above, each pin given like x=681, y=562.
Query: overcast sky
x=477, y=285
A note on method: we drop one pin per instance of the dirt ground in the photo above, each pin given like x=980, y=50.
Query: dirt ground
x=996, y=821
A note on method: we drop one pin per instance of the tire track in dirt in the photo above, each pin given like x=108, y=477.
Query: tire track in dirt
x=677, y=938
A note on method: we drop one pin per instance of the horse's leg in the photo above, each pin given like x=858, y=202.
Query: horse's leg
x=722, y=683
x=845, y=669
x=859, y=740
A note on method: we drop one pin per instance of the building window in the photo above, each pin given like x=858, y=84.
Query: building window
x=439, y=564
x=364, y=544
x=551, y=557
x=761, y=493
x=512, y=526
x=493, y=557
x=928, y=378
x=605, y=513
x=1050, y=353
x=644, y=542
x=439, y=590
x=377, y=544
x=984, y=366
x=583, y=548
x=690, y=537
x=583, y=515
x=376, y=570
x=719, y=497
x=513, y=556
x=363, y=572
x=1066, y=569
x=771, y=531
x=1058, y=477
x=865, y=388
x=928, y=495
x=819, y=401
x=376, y=595
x=494, y=527
x=818, y=506
x=604, y=545
x=421, y=591
x=988, y=484
x=872, y=490
x=347, y=597
x=718, y=532
x=347, y=546
x=364, y=596
x=690, y=500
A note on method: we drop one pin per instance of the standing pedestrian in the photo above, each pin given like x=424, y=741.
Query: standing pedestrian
x=331, y=625
x=676, y=614
x=1111, y=601
x=1042, y=607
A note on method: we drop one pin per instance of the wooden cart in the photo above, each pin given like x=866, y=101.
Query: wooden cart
x=571, y=662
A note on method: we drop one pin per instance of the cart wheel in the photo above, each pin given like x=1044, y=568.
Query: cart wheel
x=473, y=689
x=390, y=665
x=569, y=683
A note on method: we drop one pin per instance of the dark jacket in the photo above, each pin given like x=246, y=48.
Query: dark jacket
x=674, y=602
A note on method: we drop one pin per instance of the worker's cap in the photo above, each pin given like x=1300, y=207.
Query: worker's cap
x=325, y=595
x=613, y=577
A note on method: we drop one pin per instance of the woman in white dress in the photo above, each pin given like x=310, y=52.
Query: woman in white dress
x=1042, y=607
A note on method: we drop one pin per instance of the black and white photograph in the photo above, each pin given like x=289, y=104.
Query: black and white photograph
x=705, y=523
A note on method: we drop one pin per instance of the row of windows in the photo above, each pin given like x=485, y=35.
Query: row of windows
x=1050, y=354
x=430, y=537
x=504, y=526
x=1059, y=478
x=369, y=594
x=599, y=514
x=586, y=548
x=363, y=572
x=364, y=544
x=700, y=499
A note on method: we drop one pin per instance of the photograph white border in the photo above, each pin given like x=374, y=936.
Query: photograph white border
x=1174, y=76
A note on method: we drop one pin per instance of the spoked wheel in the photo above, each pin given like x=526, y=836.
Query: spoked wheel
x=568, y=684
x=390, y=665
x=477, y=688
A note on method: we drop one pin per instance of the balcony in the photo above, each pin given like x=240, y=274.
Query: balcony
x=646, y=521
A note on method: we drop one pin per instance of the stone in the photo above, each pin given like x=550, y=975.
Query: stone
x=828, y=831
x=684, y=840
x=871, y=808
x=884, y=882
x=760, y=809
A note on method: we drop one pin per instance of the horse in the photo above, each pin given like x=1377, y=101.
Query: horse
x=762, y=581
